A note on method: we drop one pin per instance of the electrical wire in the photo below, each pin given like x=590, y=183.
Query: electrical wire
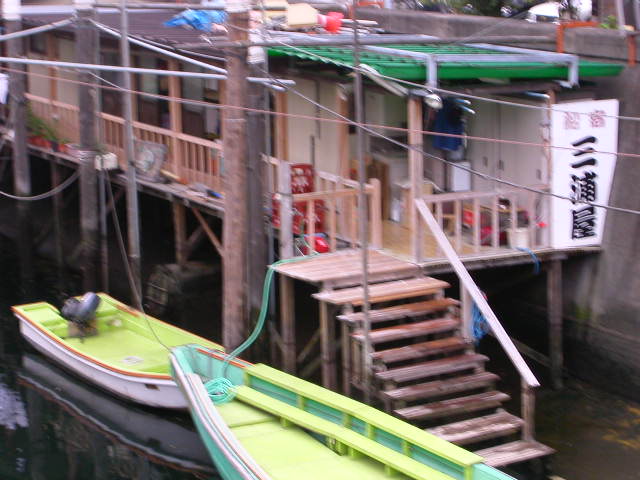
x=54, y=191
x=137, y=296
x=368, y=128
x=454, y=164
x=343, y=120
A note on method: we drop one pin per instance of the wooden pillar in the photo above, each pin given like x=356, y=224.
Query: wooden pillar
x=528, y=412
x=282, y=126
x=288, y=324
x=21, y=162
x=234, y=138
x=180, y=232
x=86, y=51
x=328, y=347
x=554, y=310
x=414, y=114
x=175, y=118
x=343, y=133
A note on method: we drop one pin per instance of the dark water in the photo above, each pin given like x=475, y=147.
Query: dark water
x=54, y=426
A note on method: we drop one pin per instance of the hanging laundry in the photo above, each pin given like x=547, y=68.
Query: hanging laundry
x=448, y=120
x=197, y=19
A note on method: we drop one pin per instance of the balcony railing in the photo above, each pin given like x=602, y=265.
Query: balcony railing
x=192, y=159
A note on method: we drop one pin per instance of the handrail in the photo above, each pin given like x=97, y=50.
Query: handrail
x=475, y=293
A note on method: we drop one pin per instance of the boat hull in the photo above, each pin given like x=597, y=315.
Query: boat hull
x=150, y=390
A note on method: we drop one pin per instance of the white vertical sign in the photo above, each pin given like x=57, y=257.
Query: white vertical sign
x=579, y=171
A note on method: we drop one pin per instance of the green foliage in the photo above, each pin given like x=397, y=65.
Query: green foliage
x=611, y=22
x=39, y=127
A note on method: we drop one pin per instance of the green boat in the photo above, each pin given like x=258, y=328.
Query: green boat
x=277, y=426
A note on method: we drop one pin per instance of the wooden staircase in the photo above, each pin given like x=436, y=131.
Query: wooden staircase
x=425, y=370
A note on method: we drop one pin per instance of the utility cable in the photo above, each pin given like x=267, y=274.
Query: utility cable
x=137, y=296
x=50, y=193
x=454, y=164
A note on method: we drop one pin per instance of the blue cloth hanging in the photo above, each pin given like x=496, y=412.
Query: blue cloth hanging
x=197, y=19
x=448, y=120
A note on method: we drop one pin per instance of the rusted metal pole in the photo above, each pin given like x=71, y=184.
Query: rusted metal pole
x=234, y=139
x=86, y=51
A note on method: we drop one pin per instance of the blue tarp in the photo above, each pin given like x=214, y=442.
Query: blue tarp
x=197, y=19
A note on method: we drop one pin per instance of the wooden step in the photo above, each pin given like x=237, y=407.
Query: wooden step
x=514, y=452
x=397, y=312
x=434, y=367
x=409, y=330
x=453, y=406
x=421, y=350
x=441, y=387
x=478, y=429
x=383, y=292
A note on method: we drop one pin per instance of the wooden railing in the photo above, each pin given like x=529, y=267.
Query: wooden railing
x=503, y=218
x=193, y=159
x=470, y=294
x=340, y=201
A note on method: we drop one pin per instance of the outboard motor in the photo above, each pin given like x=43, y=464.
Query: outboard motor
x=81, y=312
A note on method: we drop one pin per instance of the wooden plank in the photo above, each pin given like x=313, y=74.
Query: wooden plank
x=409, y=330
x=514, y=452
x=375, y=213
x=207, y=229
x=479, y=429
x=441, y=387
x=381, y=292
x=282, y=126
x=454, y=406
x=401, y=311
x=286, y=212
x=434, y=367
x=465, y=279
x=421, y=350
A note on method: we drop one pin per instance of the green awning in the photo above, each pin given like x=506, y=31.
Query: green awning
x=402, y=67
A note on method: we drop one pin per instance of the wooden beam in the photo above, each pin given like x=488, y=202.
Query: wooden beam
x=414, y=120
x=175, y=118
x=287, y=324
x=327, y=343
x=207, y=229
x=179, y=231
x=554, y=308
x=344, y=164
x=282, y=127
x=193, y=241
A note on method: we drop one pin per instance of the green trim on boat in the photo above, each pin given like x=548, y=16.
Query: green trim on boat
x=418, y=440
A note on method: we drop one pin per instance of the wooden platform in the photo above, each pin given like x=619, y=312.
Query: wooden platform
x=344, y=268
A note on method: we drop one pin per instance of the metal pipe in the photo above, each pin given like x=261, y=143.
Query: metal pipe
x=163, y=51
x=310, y=41
x=36, y=30
x=142, y=71
x=133, y=217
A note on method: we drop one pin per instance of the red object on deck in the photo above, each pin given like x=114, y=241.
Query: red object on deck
x=319, y=244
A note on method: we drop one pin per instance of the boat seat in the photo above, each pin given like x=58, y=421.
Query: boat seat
x=346, y=441
x=346, y=411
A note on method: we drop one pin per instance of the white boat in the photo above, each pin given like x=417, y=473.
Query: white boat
x=126, y=354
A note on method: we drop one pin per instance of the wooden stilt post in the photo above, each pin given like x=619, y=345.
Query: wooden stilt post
x=86, y=48
x=528, y=412
x=180, y=232
x=282, y=139
x=415, y=173
x=235, y=181
x=554, y=308
x=21, y=163
x=328, y=347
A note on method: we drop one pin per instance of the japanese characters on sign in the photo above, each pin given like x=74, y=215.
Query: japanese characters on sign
x=580, y=171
